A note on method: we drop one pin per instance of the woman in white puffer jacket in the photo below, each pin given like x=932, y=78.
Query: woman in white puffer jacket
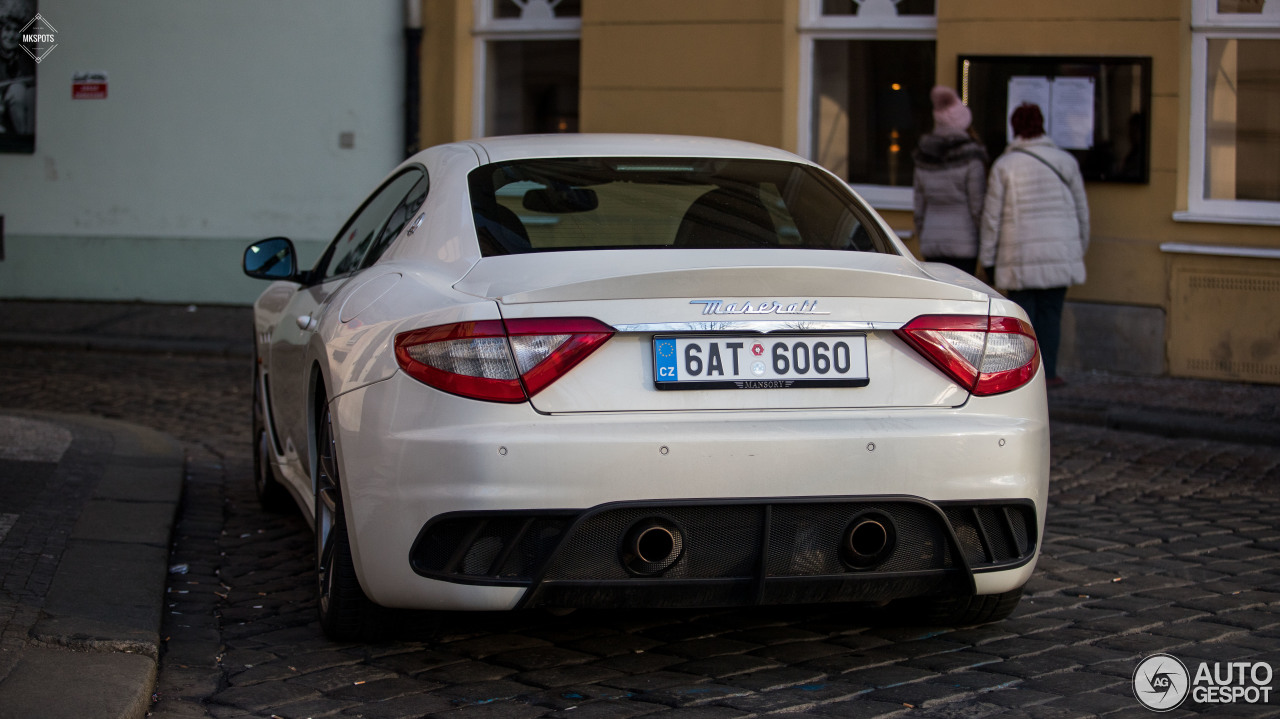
x=1035, y=228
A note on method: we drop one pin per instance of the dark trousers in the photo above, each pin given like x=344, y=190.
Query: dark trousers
x=1044, y=307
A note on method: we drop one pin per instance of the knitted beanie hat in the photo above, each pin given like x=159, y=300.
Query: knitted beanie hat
x=950, y=116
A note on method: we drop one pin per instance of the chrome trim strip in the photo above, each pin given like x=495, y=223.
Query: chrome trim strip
x=761, y=327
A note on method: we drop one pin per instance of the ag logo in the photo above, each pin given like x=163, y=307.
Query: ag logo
x=1161, y=682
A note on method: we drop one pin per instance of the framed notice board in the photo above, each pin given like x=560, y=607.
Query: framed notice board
x=1096, y=108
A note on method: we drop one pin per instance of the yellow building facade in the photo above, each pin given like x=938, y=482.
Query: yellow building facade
x=1184, y=265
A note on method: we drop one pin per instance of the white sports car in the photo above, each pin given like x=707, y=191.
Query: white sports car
x=643, y=371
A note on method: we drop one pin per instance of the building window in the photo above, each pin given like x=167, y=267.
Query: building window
x=867, y=68
x=884, y=8
x=531, y=86
x=1235, y=120
x=527, y=66
x=867, y=112
x=536, y=10
x=1242, y=120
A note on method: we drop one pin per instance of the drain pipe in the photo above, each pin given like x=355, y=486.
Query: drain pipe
x=412, y=73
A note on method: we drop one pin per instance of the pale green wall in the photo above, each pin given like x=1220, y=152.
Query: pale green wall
x=221, y=126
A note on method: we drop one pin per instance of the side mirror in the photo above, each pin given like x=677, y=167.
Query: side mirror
x=271, y=259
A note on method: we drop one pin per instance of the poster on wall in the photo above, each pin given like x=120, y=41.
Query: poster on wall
x=1033, y=90
x=1071, y=113
x=1066, y=103
x=26, y=39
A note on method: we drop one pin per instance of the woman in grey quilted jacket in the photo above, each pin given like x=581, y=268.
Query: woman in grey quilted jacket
x=1035, y=228
x=950, y=183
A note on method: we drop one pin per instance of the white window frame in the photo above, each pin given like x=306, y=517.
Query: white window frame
x=1208, y=24
x=815, y=26
x=488, y=28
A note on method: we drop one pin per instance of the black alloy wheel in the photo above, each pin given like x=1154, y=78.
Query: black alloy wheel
x=346, y=614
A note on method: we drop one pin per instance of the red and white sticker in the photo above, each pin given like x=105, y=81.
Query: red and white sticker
x=89, y=85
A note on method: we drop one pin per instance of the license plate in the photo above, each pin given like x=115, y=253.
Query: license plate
x=758, y=362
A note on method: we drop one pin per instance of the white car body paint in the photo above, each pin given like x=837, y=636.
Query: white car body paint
x=602, y=433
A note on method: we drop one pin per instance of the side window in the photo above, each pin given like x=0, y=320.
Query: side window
x=351, y=245
x=400, y=217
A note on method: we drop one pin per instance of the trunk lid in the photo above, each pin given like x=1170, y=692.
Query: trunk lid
x=765, y=297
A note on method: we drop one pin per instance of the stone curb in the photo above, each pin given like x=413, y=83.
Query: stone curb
x=1166, y=423
x=94, y=651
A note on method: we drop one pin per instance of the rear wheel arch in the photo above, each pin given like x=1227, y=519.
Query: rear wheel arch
x=346, y=612
x=321, y=400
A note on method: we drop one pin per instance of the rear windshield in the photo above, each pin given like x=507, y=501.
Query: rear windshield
x=646, y=203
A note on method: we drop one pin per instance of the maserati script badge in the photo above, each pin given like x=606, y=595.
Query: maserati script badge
x=764, y=307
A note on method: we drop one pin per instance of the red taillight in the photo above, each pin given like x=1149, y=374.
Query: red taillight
x=500, y=363
x=984, y=355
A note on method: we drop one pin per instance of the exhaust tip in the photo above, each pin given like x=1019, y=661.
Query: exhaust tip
x=868, y=541
x=651, y=546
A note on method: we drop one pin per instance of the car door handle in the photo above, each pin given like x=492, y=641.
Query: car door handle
x=417, y=223
x=307, y=323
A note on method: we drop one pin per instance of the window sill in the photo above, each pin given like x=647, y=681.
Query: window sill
x=1179, y=248
x=883, y=197
x=1227, y=218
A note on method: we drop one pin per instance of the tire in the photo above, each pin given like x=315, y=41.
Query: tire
x=960, y=611
x=346, y=614
x=272, y=495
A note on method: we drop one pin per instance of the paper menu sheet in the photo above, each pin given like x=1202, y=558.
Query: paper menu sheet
x=1066, y=102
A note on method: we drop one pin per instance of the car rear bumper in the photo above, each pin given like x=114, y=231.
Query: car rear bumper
x=414, y=457
x=730, y=552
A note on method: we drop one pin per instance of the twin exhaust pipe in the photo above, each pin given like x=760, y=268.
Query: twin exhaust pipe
x=652, y=545
x=868, y=540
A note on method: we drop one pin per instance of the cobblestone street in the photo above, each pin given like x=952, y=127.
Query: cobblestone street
x=1152, y=545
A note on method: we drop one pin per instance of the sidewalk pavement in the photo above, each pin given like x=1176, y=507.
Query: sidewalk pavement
x=86, y=509
x=83, y=637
